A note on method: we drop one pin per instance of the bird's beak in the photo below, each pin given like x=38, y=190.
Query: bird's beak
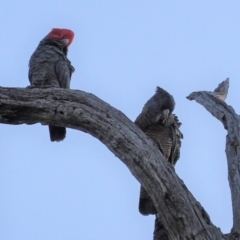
x=165, y=115
x=65, y=41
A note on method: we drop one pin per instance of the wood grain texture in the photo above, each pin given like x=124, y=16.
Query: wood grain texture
x=183, y=217
x=231, y=122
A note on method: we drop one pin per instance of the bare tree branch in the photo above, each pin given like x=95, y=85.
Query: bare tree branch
x=231, y=122
x=182, y=216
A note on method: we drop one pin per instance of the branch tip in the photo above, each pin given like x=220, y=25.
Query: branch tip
x=191, y=96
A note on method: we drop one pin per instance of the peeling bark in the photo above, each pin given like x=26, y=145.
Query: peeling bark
x=182, y=216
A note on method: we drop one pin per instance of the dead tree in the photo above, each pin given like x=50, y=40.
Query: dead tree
x=214, y=103
x=182, y=216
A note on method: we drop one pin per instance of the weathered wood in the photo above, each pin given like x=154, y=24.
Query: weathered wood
x=183, y=217
x=231, y=122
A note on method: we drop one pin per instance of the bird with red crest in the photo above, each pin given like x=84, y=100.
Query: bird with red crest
x=49, y=67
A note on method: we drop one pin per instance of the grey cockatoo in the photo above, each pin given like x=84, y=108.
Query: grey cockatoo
x=159, y=124
x=49, y=67
x=156, y=109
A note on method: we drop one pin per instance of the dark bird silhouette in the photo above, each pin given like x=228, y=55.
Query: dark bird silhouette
x=49, y=67
x=158, y=123
x=157, y=109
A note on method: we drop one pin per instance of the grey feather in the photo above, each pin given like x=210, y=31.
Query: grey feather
x=49, y=67
x=165, y=133
x=156, y=109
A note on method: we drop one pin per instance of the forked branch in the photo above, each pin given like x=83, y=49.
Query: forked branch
x=181, y=214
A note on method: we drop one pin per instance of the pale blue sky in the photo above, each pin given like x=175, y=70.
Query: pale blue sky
x=122, y=50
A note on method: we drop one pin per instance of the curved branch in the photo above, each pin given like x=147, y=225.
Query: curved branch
x=231, y=122
x=181, y=214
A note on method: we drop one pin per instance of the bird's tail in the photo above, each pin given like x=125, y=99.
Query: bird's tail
x=57, y=133
x=146, y=205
